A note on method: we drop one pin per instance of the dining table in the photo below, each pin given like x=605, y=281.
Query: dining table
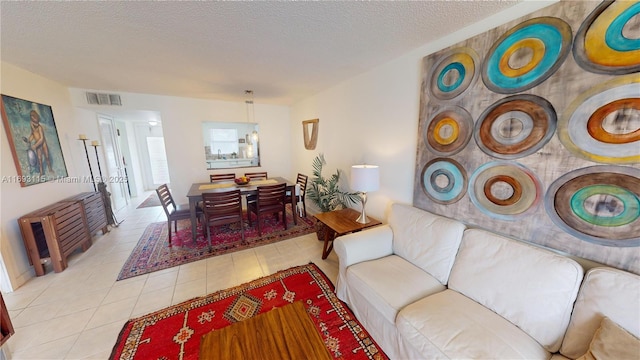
x=197, y=189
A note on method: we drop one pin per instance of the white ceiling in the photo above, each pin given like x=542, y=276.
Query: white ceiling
x=283, y=51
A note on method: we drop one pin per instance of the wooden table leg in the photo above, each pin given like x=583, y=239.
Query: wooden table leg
x=192, y=209
x=293, y=207
x=328, y=237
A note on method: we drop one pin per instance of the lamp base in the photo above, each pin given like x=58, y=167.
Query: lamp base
x=363, y=219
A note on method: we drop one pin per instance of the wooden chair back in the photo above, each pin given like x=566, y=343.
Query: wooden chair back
x=302, y=180
x=256, y=175
x=222, y=208
x=221, y=177
x=173, y=212
x=166, y=200
x=271, y=197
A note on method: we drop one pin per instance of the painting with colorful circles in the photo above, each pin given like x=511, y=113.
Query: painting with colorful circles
x=532, y=130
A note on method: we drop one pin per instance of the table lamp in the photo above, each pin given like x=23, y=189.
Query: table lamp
x=364, y=178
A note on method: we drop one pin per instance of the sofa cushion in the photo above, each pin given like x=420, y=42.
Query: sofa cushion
x=605, y=292
x=428, y=241
x=449, y=323
x=531, y=287
x=611, y=342
x=388, y=284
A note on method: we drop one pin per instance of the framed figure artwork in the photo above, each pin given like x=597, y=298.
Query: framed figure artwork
x=33, y=139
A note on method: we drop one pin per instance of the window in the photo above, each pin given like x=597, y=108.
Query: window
x=224, y=141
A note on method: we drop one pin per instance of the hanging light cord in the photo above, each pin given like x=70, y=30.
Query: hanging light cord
x=250, y=114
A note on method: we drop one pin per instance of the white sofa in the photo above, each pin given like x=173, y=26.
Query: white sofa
x=425, y=287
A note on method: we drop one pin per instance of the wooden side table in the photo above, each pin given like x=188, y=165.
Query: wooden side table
x=341, y=222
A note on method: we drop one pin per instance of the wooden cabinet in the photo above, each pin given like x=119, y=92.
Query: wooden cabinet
x=93, y=209
x=55, y=231
x=6, y=328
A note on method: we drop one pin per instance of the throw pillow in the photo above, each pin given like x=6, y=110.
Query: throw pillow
x=612, y=342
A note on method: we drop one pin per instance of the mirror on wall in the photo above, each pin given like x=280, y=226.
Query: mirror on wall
x=230, y=145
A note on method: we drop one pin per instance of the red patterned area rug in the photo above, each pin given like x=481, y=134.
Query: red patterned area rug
x=152, y=253
x=175, y=332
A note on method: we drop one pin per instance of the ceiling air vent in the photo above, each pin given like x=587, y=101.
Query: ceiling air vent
x=103, y=99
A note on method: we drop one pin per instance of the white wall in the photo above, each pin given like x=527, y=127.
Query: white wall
x=135, y=164
x=15, y=200
x=373, y=118
x=182, y=127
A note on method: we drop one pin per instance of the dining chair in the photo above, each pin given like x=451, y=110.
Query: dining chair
x=221, y=208
x=221, y=177
x=174, y=212
x=256, y=175
x=301, y=181
x=270, y=199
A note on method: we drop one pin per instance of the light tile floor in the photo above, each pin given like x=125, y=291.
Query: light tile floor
x=78, y=313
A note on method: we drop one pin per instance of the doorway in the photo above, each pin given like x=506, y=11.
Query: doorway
x=114, y=177
x=153, y=156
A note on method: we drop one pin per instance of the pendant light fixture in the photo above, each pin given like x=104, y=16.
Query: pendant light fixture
x=251, y=115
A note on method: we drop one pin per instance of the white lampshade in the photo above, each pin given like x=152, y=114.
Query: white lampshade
x=365, y=178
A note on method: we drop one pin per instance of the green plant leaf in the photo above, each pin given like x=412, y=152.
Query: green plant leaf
x=325, y=193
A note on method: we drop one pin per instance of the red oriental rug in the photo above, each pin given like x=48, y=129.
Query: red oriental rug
x=175, y=332
x=152, y=253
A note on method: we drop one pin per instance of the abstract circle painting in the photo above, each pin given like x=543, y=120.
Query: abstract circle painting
x=504, y=190
x=603, y=123
x=453, y=73
x=444, y=180
x=448, y=131
x=527, y=55
x=598, y=204
x=606, y=42
x=516, y=126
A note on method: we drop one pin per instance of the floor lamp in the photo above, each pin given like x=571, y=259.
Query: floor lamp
x=102, y=187
x=83, y=138
x=364, y=178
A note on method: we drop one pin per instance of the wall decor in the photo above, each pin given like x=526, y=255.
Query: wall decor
x=310, y=141
x=33, y=138
x=532, y=130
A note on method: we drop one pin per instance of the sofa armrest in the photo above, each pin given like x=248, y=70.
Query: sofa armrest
x=364, y=245
x=357, y=247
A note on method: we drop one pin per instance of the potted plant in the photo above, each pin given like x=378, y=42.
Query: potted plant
x=325, y=193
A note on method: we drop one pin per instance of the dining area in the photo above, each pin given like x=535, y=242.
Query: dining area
x=248, y=200
x=220, y=217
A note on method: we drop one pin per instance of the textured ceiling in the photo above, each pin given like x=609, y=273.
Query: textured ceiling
x=284, y=51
